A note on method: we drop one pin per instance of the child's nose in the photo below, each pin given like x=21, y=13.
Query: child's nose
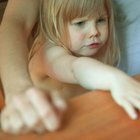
x=93, y=31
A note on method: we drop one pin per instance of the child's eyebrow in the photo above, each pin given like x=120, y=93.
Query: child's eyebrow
x=99, y=14
x=103, y=15
x=79, y=18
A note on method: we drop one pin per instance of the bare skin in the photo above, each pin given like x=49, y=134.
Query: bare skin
x=18, y=86
x=82, y=71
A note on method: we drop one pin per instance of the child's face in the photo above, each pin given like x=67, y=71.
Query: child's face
x=88, y=35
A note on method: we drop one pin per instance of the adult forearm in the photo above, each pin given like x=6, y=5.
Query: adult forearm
x=13, y=60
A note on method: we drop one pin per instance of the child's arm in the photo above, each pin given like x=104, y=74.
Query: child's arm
x=85, y=71
x=91, y=74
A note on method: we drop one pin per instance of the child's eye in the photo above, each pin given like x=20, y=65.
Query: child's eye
x=79, y=23
x=101, y=20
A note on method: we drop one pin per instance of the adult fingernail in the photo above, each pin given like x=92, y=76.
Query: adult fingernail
x=61, y=104
x=52, y=123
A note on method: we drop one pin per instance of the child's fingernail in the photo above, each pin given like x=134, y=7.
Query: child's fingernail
x=134, y=116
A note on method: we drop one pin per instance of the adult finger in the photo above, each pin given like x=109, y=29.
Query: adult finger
x=10, y=121
x=26, y=111
x=58, y=100
x=45, y=109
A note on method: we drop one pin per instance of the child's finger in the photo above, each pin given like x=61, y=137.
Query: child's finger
x=44, y=108
x=137, y=95
x=128, y=107
x=135, y=102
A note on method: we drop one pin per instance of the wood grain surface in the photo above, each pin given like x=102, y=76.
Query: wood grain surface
x=92, y=116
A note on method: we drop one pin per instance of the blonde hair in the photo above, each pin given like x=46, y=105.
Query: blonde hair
x=56, y=14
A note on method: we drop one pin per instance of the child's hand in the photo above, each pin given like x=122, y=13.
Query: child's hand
x=127, y=94
x=33, y=110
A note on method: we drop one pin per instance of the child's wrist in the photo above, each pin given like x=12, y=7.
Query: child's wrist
x=118, y=78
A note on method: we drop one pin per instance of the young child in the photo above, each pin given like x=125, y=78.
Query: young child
x=74, y=64
x=77, y=44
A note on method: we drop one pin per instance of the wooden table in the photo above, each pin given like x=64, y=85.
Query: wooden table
x=92, y=116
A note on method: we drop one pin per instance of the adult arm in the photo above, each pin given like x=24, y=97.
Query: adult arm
x=17, y=24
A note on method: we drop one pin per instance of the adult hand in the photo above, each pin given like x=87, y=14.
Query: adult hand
x=34, y=110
